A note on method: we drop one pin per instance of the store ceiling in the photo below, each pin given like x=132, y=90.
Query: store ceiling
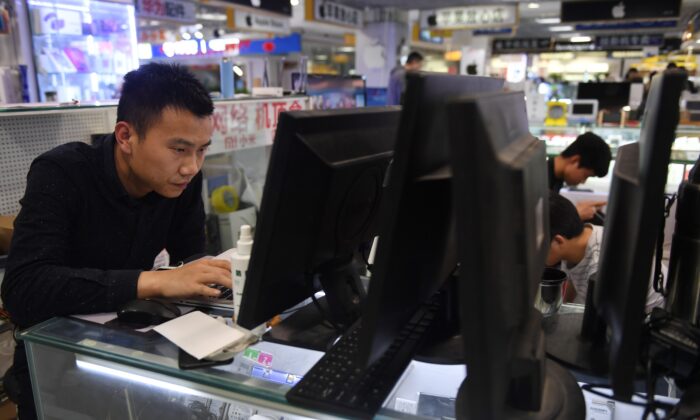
x=528, y=26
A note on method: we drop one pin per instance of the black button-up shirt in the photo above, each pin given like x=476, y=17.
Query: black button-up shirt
x=81, y=242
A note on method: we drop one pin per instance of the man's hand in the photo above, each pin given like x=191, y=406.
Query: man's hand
x=586, y=209
x=192, y=279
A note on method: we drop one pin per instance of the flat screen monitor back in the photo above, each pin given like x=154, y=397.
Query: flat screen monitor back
x=321, y=197
x=416, y=249
x=503, y=243
x=610, y=95
x=633, y=219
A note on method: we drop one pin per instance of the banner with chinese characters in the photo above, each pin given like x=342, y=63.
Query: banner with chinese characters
x=521, y=45
x=623, y=41
x=249, y=123
x=177, y=10
x=470, y=17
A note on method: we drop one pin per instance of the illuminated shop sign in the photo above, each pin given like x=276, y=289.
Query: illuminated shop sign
x=178, y=10
x=330, y=12
x=470, y=17
x=277, y=6
x=612, y=42
x=521, y=45
x=280, y=45
x=606, y=10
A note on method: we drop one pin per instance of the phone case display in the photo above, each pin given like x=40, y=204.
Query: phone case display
x=82, y=49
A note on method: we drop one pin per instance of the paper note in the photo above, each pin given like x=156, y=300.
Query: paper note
x=198, y=334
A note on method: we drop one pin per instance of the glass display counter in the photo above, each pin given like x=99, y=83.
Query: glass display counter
x=84, y=370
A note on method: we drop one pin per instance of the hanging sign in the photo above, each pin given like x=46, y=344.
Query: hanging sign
x=521, y=45
x=604, y=10
x=177, y=10
x=331, y=12
x=262, y=23
x=469, y=17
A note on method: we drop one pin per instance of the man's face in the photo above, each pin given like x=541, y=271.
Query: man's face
x=414, y=66
x=171, y=152
x=574, y=174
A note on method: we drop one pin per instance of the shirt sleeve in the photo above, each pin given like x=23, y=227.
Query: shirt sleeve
x=39, y=282
x=186, y=236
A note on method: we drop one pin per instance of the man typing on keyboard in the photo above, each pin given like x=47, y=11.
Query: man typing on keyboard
x=94, y=219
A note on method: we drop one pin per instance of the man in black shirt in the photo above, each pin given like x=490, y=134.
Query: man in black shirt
x=589, y=155
x=94, y=219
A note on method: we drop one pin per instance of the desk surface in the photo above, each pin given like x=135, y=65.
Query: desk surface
x=261, y=372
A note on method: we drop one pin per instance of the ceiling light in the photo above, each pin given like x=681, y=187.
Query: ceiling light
x=580, y=39
x=533, y=6
x=198, y=35
x=186, y=35
x=294, y=2
x=238, y=71
x=564, y=28
x=548, y=21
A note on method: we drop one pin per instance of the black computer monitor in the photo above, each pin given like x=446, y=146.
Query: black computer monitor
x=635, y=211
x=501, y=196
x=416, y=248
x=612, y=322
x=610, y=95
x=327, y=91
x=322, y=193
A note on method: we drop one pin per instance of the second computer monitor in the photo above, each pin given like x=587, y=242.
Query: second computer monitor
x=320, y=201
x=416, y=248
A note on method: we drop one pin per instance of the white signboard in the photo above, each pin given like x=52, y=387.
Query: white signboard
x=249, y=123
x=470, y=17
x=262, y=23
x=327, y=11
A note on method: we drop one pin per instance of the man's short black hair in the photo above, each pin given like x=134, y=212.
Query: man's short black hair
x=153, y=87
x=594, y=152
x=413, y=57
x=563, y=217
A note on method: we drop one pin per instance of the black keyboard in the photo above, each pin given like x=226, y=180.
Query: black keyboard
x=226, y=293
x=337, y=384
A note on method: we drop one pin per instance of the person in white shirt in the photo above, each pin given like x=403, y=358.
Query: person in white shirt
x=576, y=247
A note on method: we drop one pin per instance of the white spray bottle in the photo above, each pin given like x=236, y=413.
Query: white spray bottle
x=239, y=266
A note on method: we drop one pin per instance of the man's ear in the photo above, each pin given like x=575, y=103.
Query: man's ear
x=575, y=160
x=559, y=240
x=124, y=135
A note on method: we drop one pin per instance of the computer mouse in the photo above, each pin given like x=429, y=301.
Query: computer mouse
x=147, y=312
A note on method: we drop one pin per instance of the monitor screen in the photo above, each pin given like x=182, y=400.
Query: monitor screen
x=610, y=95
x=321, y=197
x=332, y=92
x=416, y=250
x=582, y=109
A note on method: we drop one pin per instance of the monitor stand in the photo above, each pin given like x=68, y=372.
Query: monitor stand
x=562, y=398
x=317, y=328
x=445, y=345
x=306, y=328
x=577, y=340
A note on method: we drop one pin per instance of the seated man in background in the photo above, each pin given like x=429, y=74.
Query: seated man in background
x=589, y=155
x=96, y=219
x=576, y=246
